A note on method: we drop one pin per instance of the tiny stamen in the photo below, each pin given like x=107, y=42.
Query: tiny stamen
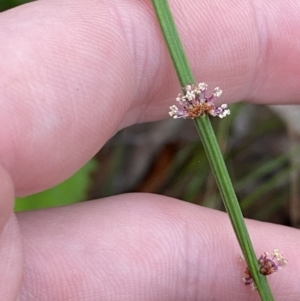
x=195, y=104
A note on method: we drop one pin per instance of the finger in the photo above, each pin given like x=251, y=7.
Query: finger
x=146, y=247
x=11, y=256
x=72, y=73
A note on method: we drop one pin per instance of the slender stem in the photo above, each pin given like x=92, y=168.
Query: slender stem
x=212, y=149
x=173, y=42
x=218, y=166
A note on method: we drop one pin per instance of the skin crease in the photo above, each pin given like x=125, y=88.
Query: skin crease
x=72, y=73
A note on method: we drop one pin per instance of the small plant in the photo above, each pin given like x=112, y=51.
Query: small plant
x=195, y=105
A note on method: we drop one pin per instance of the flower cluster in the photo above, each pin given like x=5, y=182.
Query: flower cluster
x=194, y=103
x=267, y=265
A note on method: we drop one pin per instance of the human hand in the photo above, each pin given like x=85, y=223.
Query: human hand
x=71, y=75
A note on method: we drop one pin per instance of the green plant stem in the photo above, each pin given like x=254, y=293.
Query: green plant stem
x=212, y=149
x=173, y=42
x=231, y=204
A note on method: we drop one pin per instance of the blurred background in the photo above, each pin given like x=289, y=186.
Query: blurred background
x=261, y=148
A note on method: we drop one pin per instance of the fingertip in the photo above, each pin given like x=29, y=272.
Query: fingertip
x=6, y=197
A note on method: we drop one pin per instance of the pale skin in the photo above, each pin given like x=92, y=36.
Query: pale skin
x=72, y=73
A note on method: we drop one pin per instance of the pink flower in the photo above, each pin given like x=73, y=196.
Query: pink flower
x=195, y=104
x=270, y=264
x=267, y=265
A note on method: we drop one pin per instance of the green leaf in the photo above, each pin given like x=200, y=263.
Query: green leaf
x=71, y=191
x=8, y=4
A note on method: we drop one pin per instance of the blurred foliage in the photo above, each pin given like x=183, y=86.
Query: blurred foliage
x=254, y=143
x=7, y=4
x=72, y=190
